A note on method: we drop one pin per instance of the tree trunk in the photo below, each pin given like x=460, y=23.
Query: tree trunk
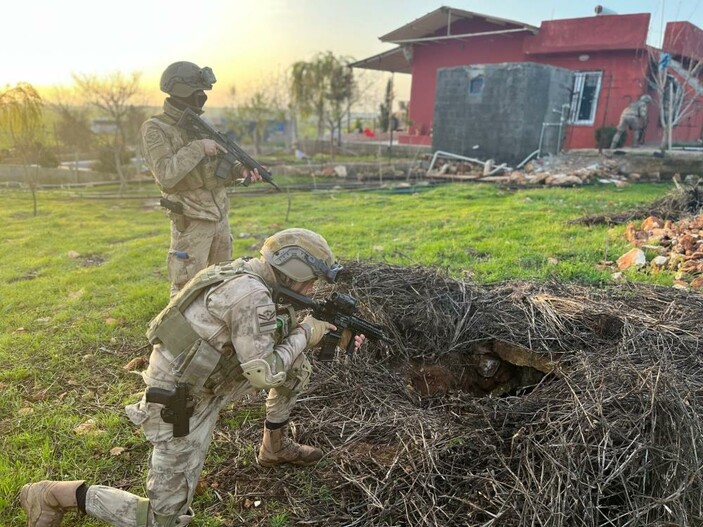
x=75, y=164
x=32, y=182
x=120, y=172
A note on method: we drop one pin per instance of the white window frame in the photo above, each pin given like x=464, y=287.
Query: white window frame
x=577, y=97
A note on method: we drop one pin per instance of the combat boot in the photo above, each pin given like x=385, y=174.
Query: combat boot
x=278, y=448
x=46, y=502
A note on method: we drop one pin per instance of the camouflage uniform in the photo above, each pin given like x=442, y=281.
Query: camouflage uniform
x=200, y=236
x=238, y=314
x=222, y=337
x=635, y=118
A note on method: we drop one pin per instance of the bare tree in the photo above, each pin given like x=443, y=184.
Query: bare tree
x=677, y=80
x=385, y=109
x=112, y=96
x=367, y=94
x=72, y=127
x=21, y=113
x=251, y=118
x=341, y=92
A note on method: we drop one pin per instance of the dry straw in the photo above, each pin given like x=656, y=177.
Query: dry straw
x=613, y=436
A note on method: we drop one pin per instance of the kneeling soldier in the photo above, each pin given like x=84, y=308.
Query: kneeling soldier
x=220, y=338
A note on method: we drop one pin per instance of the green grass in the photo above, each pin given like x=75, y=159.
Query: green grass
x=69, y=324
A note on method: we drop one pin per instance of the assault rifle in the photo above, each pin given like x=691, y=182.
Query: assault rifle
x=178, y=407
x=191, y=121
x=339, y=309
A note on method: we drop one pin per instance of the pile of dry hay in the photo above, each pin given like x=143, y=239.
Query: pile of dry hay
x=676, y=204
x=612, y=436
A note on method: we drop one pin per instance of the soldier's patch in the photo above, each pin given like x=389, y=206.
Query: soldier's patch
x=266, y=318
x=154, y=137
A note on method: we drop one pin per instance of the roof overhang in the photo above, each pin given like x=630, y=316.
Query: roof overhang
x=444, y=17
x=394, y=61
x=426, y=29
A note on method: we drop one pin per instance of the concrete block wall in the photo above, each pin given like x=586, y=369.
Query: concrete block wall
x=496, y=111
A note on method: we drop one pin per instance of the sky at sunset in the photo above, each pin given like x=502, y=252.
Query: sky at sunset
x=244, y=41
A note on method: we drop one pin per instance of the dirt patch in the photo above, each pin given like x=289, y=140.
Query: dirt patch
x=29, y=275
x=93, y=260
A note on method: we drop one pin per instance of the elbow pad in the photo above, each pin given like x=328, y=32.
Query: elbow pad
x=260, y=373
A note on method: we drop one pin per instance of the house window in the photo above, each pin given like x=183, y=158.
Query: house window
x=584, y=98
x=476, y=85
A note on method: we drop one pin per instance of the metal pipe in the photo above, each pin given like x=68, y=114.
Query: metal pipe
x=541, y=135
x=527, y=159
x=602, y=10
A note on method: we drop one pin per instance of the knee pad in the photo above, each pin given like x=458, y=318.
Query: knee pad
x=300, y=374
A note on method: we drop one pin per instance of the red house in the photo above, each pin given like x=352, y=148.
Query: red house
x=609, y=55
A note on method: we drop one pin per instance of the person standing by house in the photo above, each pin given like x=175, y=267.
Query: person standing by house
x=635, y=118
x=219, y=339
x=184, y=169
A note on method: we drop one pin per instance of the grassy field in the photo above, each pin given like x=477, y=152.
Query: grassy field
x=80, y=281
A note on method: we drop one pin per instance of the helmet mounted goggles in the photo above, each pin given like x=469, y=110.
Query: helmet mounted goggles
x=319, y=268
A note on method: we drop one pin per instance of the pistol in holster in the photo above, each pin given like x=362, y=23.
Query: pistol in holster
x=173, y=206
x=178, y=407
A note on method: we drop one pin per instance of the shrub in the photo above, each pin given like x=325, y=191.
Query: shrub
x=106, y=160
x=604, y=135
x=47, y=158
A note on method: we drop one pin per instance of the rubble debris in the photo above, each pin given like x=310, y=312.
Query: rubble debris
x=679, y=248
x=548, y=171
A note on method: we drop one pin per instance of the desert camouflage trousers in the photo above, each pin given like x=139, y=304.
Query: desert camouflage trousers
x=634, y=123
x=195, y=245
x=176, y=462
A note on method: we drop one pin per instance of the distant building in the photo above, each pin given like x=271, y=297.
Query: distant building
x=608, y=57
x=103, y=126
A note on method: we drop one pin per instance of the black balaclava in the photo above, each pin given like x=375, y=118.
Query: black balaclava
x=195, y=101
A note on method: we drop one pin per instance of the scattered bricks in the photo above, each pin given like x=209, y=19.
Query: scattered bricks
x=652, y=222
x=658, y=262
x=635, y=236
x=679, y=244
x=633, y=258
x=688, y=243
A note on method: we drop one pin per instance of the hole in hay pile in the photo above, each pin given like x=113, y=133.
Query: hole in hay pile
x=496, y=368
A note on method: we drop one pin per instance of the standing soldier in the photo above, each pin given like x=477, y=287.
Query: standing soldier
x=220, y=338
x=633, y=117
x=184, y=168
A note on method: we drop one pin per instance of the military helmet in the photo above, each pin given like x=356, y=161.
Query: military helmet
x=646, y=98
x=301, y=255
x=182, y=78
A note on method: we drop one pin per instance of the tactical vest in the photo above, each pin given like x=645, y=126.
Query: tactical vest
x=203, y=175
x=194, y=360
x=170, y=327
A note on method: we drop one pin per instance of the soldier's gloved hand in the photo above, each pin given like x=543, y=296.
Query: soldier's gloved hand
x=211, y=147
x=315, y=329
x=346, y=338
